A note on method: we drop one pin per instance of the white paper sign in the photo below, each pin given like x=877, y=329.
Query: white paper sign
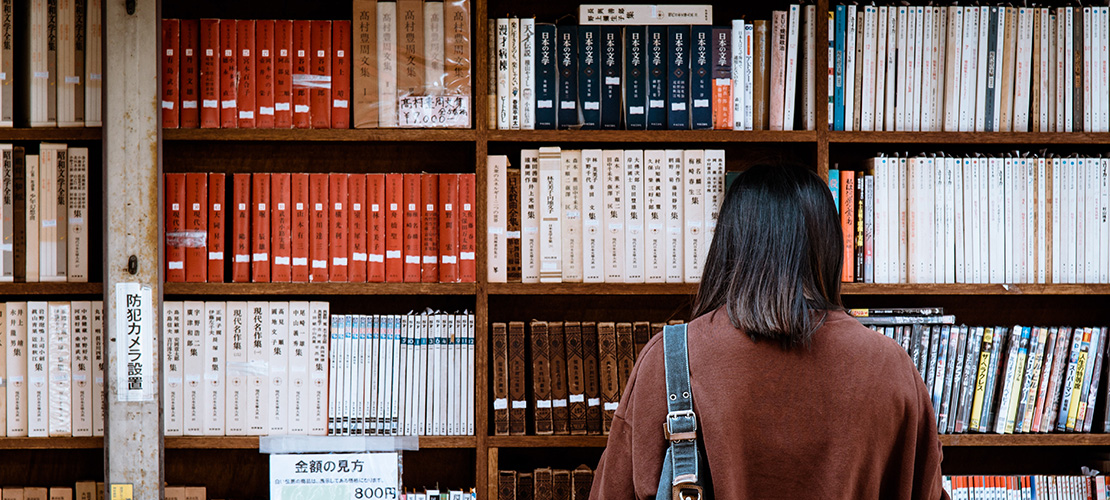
x=434, y=112
x=134, y=342
x=335, y=476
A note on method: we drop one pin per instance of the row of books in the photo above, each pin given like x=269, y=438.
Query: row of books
x=84, y=490
x=547, y=483
x=969, y=68
x=45, y=213
x=52, y=357
x=245, y=368
x=335, y=227
x=438, y=494
x=406, y=375
x=576, y=370
x=622, y=74
x=592, y=215
x=1032, y=486
x=1015, y=218
x=1004, y=380
x=57, y=74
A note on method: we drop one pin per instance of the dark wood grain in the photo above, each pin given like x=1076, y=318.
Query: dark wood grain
x=311, y=135
x=940, y=138
x=846, y=289
x=16, y=289
x=251, y=442
x=50, y=134
x=548, y=441
x=46, y=443
x=272, y=289
x=659, y=136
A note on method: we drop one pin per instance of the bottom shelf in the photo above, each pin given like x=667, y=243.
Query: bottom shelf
x=947, y=440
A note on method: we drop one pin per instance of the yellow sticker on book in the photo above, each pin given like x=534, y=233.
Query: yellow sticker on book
x=121, y=492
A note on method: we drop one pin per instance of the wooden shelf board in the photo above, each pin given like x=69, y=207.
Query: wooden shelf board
x=50, y=134
x=55, y=443
x=60, y=288
x=592, y=289
x=320, y=288
x=547, y=441
x=251, y=442
x=959, y=440
x=333, y=135
x=938, y=138
x=662, y=136
x=972, y=289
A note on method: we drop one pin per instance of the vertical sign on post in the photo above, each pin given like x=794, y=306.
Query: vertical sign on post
x=134, y=369
x=335, y=476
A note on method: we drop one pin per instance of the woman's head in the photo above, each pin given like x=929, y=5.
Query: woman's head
x=775, y=260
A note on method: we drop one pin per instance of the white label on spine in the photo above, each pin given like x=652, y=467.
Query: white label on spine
x=319, y=264
x=410, y=259
x=300, y=261
x=246, y=115
x=610, y=406
x=261, y=257
x=543, y=403
x=566, y=105
x=300, y=108
x=429, y=259
x=358, y=257
x=593, y=402
x=265, y=111
x=188, y=105
x=393, y=254
x=167, y=104
x=339, y=103
x=466, y=255
x=520, y=405
x=678, y=106
x=281, y=261
x=701, y=103
x=215, y=256
x=656, y=103
x=281, y=106
x=210, y=103
x=242, y=257
x=591, y=105
x=449, y=259
x=339, y=261
x=635, y=110
x=176, y=264
x=501, y=404
x=577, y=398
x=544, y=104
x=559, y=403
x=612, y=80
x=375, y=257
x=230, y=103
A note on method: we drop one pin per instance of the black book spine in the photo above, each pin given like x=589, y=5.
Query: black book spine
x=657, y=78
x=589, y=76
x=546, y=89
x=678, y=77
x=568, y=76
x=611, y=69
x=701, y=82
x=635, y=78
x=992, y=77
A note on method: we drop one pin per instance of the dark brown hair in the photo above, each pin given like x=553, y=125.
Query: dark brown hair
x=774, y=264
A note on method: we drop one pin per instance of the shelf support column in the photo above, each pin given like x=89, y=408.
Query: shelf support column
x=133, y=431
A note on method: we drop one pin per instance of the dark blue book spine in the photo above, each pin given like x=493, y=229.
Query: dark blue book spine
x=838, y=94
x=657, y=78
x=568, y=76
x=678, y=77
x=589, y=76
x=635, y=78
x=546, y=90
x=611, y=70
x=701, y=83
x=992, y=77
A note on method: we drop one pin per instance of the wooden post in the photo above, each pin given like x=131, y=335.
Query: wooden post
x=132, y=439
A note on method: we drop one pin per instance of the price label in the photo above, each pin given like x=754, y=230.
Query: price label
x=434, y=112
x=335, y=476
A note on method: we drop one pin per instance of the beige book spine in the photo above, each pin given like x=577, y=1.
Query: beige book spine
x=365, y=71
x=1009, y=54
x=761, y=77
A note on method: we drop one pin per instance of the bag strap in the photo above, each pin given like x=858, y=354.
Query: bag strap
x=681, y=426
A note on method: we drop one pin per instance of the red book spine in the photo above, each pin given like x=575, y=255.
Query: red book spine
x=356, y=210
x=196, y=227
x=280, y=238
x=449, y=228
x=245, y=67
x=339, y=227
x=429, y=228
x=341, y=74
x=298, y=184
x=217, y=227
x=229, y=88
x=375, y=235
x=188, y=77
x=260, y=221
x=302, y=61
x=209, y=73
x=283, y=74
x=395, y=227
x=171, y=70
x=175, y=226
x=241, y=227
x=412, y=228
x=320, y=94
x=467, y=228
x=264, y=72
x=318, y=213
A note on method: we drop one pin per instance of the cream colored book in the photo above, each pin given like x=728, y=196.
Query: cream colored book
x=674, y=193
x=298, y=404
x=593, y=263
x=714, y=196
x=173, y=347
x=15, y=334
x=77, y=224
x=319, y=315
x=68, y=81
x=81, y=385
x=572, y=215
x=96, y=327
x=550, y=214
x=278, y=368
x=433, y=48
x=694, y=210
x=215, y=367
x=613, y=215
x=496, y=218
x=38, y=339
x=60, y=377
x=387, y=64
x=4, y=375
x=655, y=264
x=32, y=220
x=193, y=359
x=235, y=371
x=258, y=402
x=634, y=198
x=94, y=63
x=530, y=254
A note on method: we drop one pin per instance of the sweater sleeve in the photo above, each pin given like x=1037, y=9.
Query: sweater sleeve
x=927, y=484
x=612, y=479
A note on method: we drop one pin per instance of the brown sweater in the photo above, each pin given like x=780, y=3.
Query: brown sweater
x=847, y=418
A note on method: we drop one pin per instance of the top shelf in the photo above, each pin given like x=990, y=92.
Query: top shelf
x=50, y=134
x=939, y=138
x=664, y=136
x=320, y=135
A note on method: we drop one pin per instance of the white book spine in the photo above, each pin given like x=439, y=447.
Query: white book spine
x=1059, y=65
x=235, y=373
x=934, y=215
x=1023, y=72
x=530, y=253
x=67, y=80
x=1042, y=236
x=849, y=67
x=674, y=194
x=714, y=196
x=903, y=226
x=969, y=64
x=613, y=215
x=810, y=69
x=501, y=45
x=527, y=76
x=694, y=221
x=1092, y=208
x=879, y=231
x=47, y=211
x=1104, y=69
x=514, y=73
x=928, y=58
x=60, y=378
x=1045, y=71
x=1009, y=216
x=94, y=27
x=369, y=330
x=996, y=212
x=278, y=368
x=173, y=364
x=939, y=72
x=423, y=388
x=869, y=229
x=1090, y=102
x=972, y=200
x=396, y=362
x=634, y=199
x=655, y=265
x=903, y=49
x=749, y=61
x=387, y=64
x=739, y=83
x=319, y=315
x=4, y=375
x=17, y=356
x=258, y=401
x=1057, y=176
x=77, y=242
x=891, y=86
x=550, y=213
x=297, y=403
x=878, y=117
x=215, y=359
x=1103, y=219
x=1081, y=184
x=572, y=215
x=37, y=370
x=917, y=69
x=962, y=219
x=998, y=68
x=870, y=51
x=593, y=267
x=1069, y=69
x=96, y=327
x=496, y=213
x=791, y=85
x=470, y=375
x=333, y=374
x=193, y=331
x=1029, y=244
x=954, y=68
x=950, y=227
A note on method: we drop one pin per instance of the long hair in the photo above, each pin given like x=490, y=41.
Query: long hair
x=775, y=261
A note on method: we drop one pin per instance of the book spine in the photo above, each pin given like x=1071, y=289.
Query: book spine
x=245, y=76
x=228, y=89
x=358, y=221
x=241, y=228
x=495, y=218
x=610, y=382
x=841, y=16
x=589, y=76
x=655, y=264
x=694, y=196
x=217, y=227
x=567, y=67
x=172, y=382
x=235, y=372
x=213, y=397
x=675, y=186
x=757, y=44
x=340, y=98
x=790, y=63
x=281, y=237
x=258, y=403
x=448, y=228
x=513, y=73
x=613, y=215
x=320, y=74
x=572, y=216
x=701, y=80
x=635, y=77
x=729, y=86
x=410, y=53
x=318, y=374
x=302, y=76
x=277, y=374
x=593, y=267
x=560, y=416
x=714, y=197
x=592, y=383
x=196, y=227
x=612, y=67
x=457, y=56
x=260, y=225
x=283, y=62
x=467, y=228
x=300, y=227
x=387, y=55
x=320, y=224
x=429, y=207
x=375, y=210
x=171, y=70
x=364, y=61
x=678, y=77
x=175, y=226
x=394, y=208
x=657, y=89
x=549, y=210
x=634, y=197
x=412, y=209
x=264, y=74
x=546, y=88
x=527, y=73
x=338, y=192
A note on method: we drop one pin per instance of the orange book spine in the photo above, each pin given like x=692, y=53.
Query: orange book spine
x=171, y=72
x=339, y=227
x=320, y=93
x=299, y=222
x=217, y=228
x=467, y=228
x=283, y=74
x=722, y=104
x=281, y=238
x=196, y=227
x=375, y=228
x=175, y=226
x=848, y=223
x=302, y=61
x=188, y=76
x=241, y=227
x=264, y=72
x=449, y=228
x=341, y=74
x=209, y=92
x=245, y=67
x=429, y=228
x=356, y=218
x=260, y=223
x=229, y=89
x=319, y=214
x=412, y=228
x=395, y=224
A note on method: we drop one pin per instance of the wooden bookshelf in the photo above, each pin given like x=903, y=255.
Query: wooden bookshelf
x=50, y=134
x=320, y=135
x=651, y=136
x=56, y=288
x=1024, y=139
x=947, y=440
x=251, y=442
x=319, y=289
x=50, y=443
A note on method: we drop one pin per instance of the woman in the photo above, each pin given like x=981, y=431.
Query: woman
x=794, y=398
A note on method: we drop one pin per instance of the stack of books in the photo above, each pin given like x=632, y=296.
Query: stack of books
x=556, y=484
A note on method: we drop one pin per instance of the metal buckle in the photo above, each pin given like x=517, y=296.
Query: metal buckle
x=686, y=492
x=681, y=436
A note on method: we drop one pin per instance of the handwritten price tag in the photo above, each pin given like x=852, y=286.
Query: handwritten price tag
x=434, y=112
